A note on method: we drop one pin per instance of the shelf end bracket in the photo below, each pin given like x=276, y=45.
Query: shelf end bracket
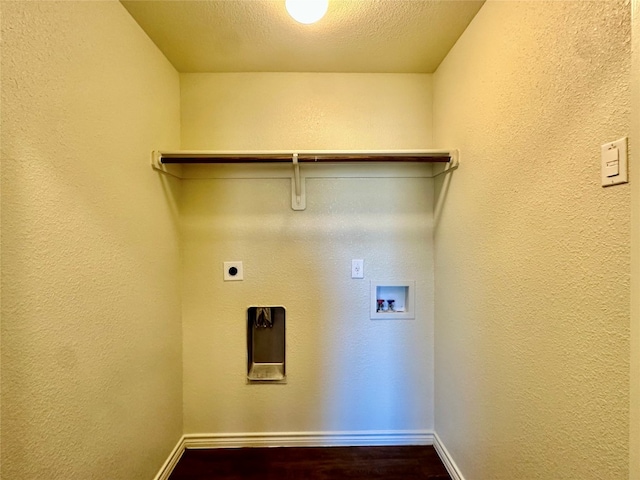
x=158, y=166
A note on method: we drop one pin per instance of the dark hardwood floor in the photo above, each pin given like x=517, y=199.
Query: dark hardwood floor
x=312, y=463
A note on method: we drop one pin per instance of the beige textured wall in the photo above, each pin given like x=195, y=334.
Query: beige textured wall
x=634, y=446
x=91, y=336
x=532, y=254
x=275, y=111
x=345, y=372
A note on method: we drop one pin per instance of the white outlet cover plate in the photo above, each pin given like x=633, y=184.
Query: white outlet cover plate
x=357, y=268
x=229, y=269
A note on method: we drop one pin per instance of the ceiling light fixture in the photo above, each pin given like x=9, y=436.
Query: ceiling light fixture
x=307, y=11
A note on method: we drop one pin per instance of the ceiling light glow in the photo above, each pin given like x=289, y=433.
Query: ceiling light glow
x=307, y=11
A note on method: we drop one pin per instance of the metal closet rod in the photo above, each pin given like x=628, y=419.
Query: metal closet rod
x=208, y=158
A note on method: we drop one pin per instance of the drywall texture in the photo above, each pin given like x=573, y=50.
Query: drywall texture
x=532, y=254
x=277, y=111
x=345, y=371
x=634, y=437
x=91, y=336
x=260, y=36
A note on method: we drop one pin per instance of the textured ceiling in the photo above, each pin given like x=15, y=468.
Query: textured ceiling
x=395, y=36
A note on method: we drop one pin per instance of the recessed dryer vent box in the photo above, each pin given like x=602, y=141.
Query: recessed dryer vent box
x=393, y=300
x=266, y=344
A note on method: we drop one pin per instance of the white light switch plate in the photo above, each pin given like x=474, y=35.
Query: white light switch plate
x=609, y=152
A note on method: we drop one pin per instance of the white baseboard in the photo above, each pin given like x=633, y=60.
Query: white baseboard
x=308, y=439
x=172, y=461
x=448, y=462
x=293, y=439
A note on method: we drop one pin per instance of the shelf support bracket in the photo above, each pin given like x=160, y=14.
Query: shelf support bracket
x=298, y=190
x=454, y=163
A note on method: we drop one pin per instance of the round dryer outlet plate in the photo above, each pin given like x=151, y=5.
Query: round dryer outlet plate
x=233, y=271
